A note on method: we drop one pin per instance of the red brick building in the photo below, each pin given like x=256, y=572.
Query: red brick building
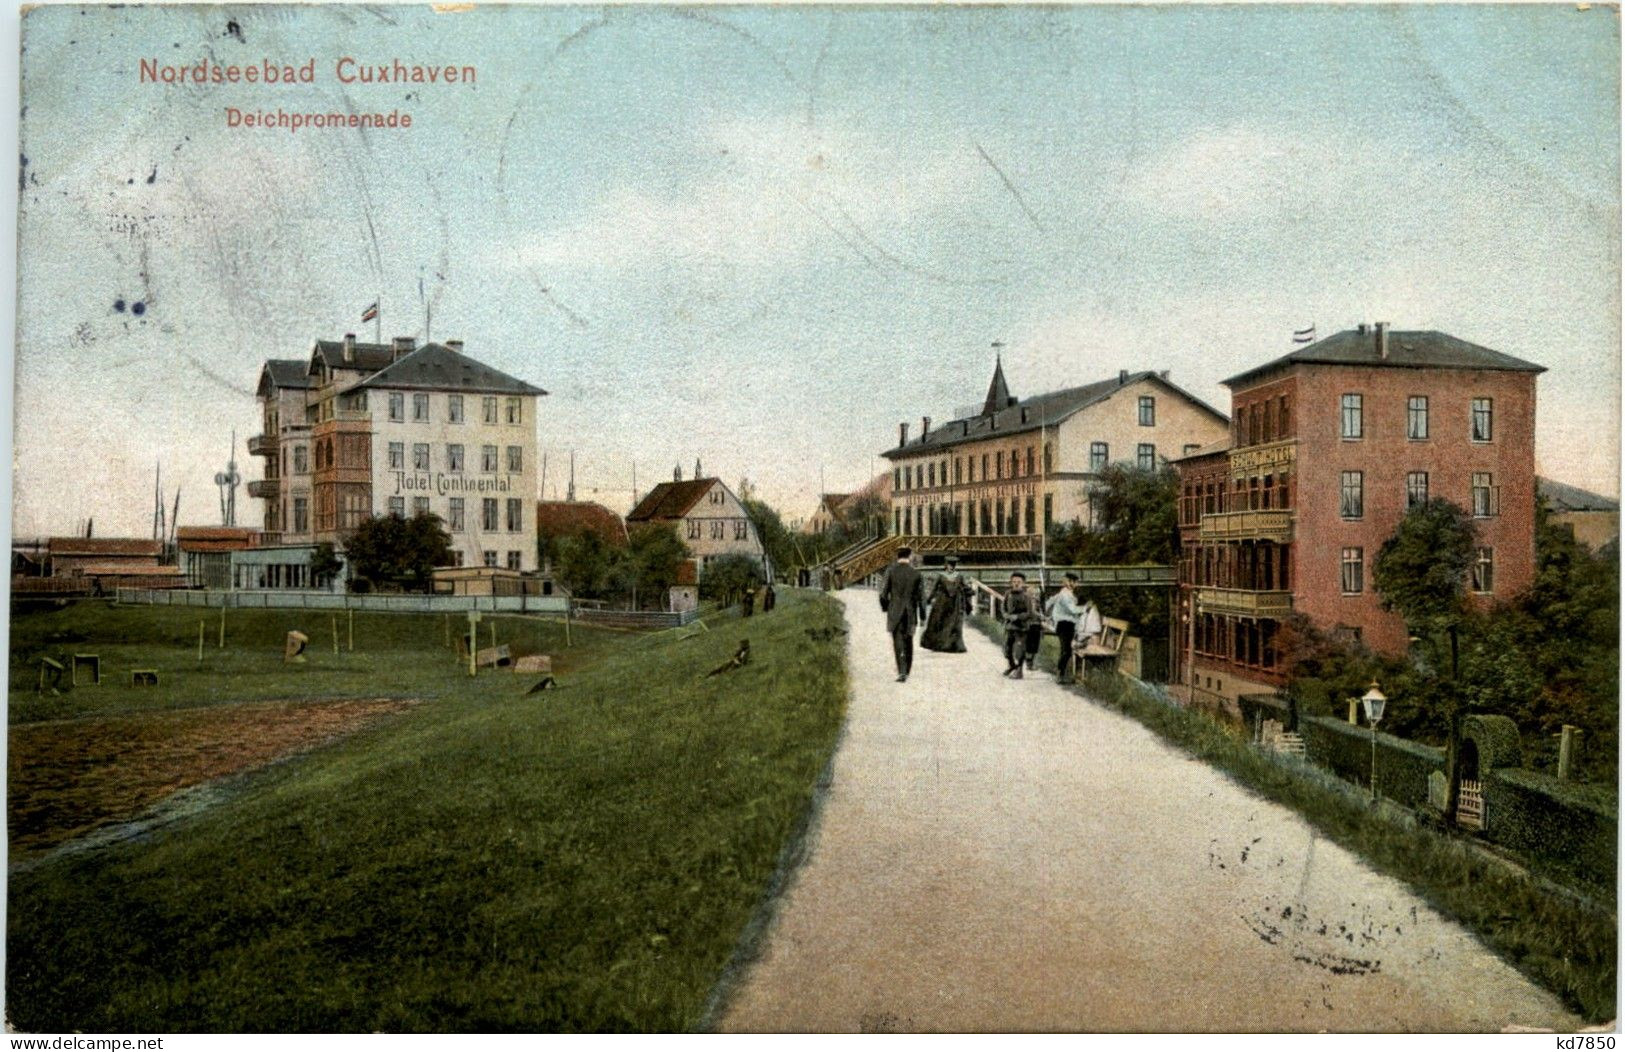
x=1329, y=446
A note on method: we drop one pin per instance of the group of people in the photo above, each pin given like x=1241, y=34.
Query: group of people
x=903, y=598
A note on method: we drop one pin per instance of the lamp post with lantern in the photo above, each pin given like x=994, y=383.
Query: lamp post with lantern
x=1374, y=701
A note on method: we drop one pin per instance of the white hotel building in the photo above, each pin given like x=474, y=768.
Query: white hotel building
x=363, y=429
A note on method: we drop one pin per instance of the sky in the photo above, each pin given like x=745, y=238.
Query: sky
x=762, y=237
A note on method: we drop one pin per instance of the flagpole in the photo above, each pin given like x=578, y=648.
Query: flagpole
x=378, y=321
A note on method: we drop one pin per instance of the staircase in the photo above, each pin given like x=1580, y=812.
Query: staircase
x=865, y=558
x=859, y=562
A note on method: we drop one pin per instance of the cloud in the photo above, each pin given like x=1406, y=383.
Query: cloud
x=766, y=193
x=1238, y=172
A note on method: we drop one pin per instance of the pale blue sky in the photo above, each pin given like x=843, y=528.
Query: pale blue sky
x=762, y=237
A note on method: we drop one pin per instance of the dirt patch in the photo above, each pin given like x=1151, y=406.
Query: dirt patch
x=70, y=777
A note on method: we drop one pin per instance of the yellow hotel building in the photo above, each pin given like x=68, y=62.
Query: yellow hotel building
x=1019, y=466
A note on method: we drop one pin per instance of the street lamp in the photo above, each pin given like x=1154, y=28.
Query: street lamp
x=1374, y=701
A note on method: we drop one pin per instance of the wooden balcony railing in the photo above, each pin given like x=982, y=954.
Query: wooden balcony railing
x=1244, y=602
x=1274, y=524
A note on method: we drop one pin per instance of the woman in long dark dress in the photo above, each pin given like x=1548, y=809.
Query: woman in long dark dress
x=949, y=600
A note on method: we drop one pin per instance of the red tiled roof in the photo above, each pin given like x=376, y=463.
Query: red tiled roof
x=103, y=546
x=567, y=518
x=128, y=570
x=671, y=500
x=216, y=538
x=688, y=572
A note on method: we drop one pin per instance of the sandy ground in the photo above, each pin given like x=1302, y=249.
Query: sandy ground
x=68, y=777
x=1001, y=855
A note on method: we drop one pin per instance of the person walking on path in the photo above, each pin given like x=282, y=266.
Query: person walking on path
x=950, y=600
x=902, y=597
x=1020, y=611
x=1064, y=610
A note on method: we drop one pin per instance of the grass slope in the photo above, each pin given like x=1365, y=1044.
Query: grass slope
x=1559, y=941
x=578, y=860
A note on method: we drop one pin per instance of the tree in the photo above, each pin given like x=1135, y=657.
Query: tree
x=582, y=563
x=400, y=553
x=325, y=564
x=649, y=565
x=1420, y=573
x=776, y=540
x=728, y=577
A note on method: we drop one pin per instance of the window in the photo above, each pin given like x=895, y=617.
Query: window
x=1145, y=456
x=1353, y=504
x=454, y=456
x=513, y=560
x=1148, y=411
x=488, y=458
x=420, y=407
x=1283, y=426
x=397, y=406
x=959, y=470
x=397, y=456
x=301, y=515
x=516, y=414
x=998, y=464
x=1483, y=419
x=1416, y=489
x=1484, y=571
x=1353, y=571
x=1049, y=457
x=1032, y=526
x=716, y=529
x=488, y=514
x=1030, y=460
x=984, y=467
x=488, y=409
x=1049, y=511
x=931, y=474
x=397, y=507
x=1353, y=416
x=515, y=515
x=1098, y=452
x=420, y=505
x=301, y=460
x=1486, y=496
x=454, y=408
x=420, y=456
x=491, y=559
x=741, y=529
x=516, y=459
x=1189, y=448
x=455, y=515
x=694, y=529
x=897, y=478
x=1416, y=417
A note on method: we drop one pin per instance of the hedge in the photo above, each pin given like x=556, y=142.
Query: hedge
x=1343, y=748
x=1567, y=826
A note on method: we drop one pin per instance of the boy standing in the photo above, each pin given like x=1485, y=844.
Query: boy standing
x=1020, y=612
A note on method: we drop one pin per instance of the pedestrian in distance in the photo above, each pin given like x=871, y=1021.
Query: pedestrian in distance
x=950, y=602
x=1065, y=611
x=1020, y=611
x=902, y=597
x=749, y=602
x=1035, y=630
x=769, y=599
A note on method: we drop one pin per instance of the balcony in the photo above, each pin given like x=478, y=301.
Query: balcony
x=262, y=446
x=1272, y=525
x=1244, y=602
x=265, y=489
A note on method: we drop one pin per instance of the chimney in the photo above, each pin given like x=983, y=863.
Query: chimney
x=404, y=345
x=1361, y=329
x=1163, y=374
x=1023, y=414
x=1382, y=339
x=349, y=346
x=902, y=433
x=925, y=427
x=1122, y=377
x=964, y=427
x=455, y=346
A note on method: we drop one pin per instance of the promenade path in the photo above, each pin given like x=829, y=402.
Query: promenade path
x=1003, y=855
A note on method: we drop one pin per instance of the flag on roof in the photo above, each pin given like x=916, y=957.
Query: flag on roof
x=1304, y=335
x=371, y=312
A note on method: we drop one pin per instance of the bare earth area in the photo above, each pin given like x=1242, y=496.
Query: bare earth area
x=66, y=778
x=1003, y=855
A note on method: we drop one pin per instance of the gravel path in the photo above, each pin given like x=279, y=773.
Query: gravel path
x=1001, y=855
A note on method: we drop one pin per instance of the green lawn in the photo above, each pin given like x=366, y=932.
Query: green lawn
x=579, y=859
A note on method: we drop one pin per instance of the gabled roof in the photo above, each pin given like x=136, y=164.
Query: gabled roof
x=368, y=357
x=1560, y=496
x=1406, y=350
x=1045, y=410
x=103, y=546
x=568, y=518
x=831, y=504
x=672, y=500
x=283, y=372
x=436, y=367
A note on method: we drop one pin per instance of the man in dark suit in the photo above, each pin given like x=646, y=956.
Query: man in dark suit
x=902, y=596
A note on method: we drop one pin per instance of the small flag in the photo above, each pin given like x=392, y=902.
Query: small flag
x=371, y=312
x=1304, y=335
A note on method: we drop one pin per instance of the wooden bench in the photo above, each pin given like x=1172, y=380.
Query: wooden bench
x=143, y=677
x=92, y=663
x=1104, y=651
